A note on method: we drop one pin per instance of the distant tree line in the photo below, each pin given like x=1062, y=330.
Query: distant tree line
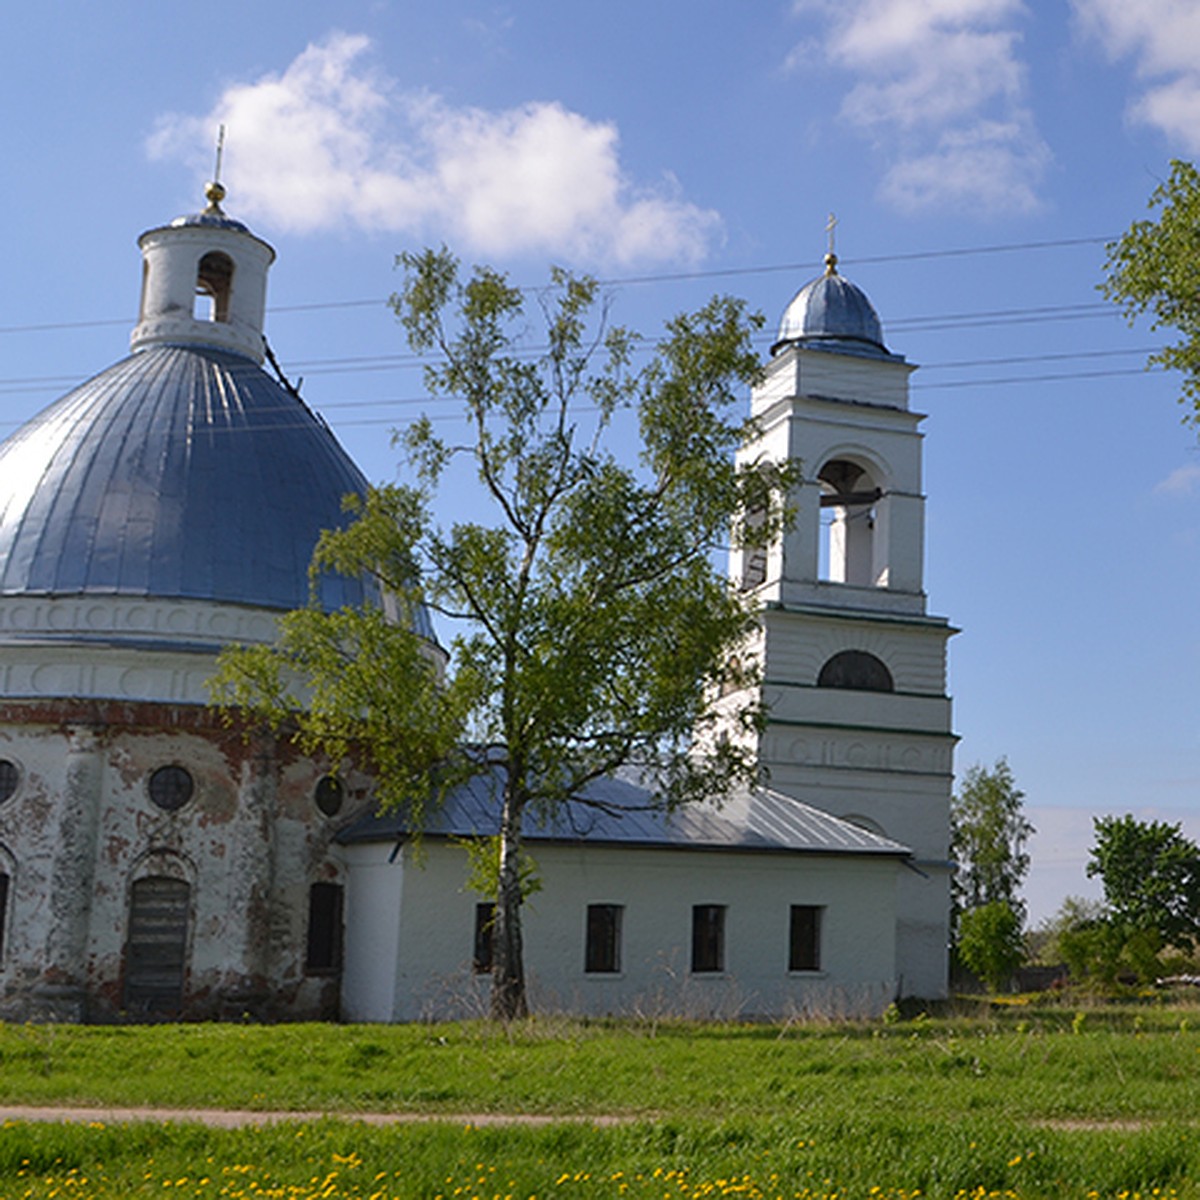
x=1148, y=924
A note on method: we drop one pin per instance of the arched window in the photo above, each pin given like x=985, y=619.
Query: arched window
x=4, y=882
x=214, y=280
x=857, y=671
x=10, y=776
x=849, y=491
x=8, y=883
x=156, y=952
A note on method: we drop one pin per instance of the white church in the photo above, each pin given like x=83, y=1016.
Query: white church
x=155, y=865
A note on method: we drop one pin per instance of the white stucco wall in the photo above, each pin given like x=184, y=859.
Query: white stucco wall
x=431, y=974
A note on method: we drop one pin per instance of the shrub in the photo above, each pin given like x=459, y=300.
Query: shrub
x=989, y=943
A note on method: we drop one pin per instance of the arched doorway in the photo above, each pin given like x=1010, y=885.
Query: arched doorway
x=156, y=950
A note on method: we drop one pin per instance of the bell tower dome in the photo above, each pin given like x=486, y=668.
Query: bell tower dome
x=853, y=668
x=204, y=283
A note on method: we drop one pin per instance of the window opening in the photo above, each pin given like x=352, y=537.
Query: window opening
x=214, y=279
x=848, y=539
x=857, y=671
x=10, y=776
x=708, y=938
x=3, y=911
x=330, y=795
x=156, y=953
x=804, y=938
x=485, y=920
x=324, y=943
x=754, y=557
x=602, y=954
x=171, y=787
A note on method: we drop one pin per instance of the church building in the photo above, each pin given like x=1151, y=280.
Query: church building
x=155, y=864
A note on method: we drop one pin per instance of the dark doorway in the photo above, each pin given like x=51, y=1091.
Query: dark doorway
x=156, y=953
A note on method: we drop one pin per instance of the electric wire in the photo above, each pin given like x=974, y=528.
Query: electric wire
x=623, y=280
x=358, y=364
x=922, y=323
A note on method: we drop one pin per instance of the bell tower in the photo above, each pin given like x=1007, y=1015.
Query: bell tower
x=853, y=668
x=204, y=283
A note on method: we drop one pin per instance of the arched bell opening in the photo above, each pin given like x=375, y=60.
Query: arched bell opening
x=851, y=547
x=214, y=283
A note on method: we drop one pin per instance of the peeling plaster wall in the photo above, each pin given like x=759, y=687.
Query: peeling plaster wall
x=81, y=829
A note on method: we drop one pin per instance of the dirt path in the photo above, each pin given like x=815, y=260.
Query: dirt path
x=232, y=1118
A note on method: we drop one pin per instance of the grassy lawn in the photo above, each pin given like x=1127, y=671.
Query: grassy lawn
x=1019, y=1101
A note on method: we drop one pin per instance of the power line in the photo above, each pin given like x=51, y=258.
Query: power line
x=433, y=403
x=923, y=324
x=1059, y=378
x=624, y=280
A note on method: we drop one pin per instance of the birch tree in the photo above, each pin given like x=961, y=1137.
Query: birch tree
x=591, y=627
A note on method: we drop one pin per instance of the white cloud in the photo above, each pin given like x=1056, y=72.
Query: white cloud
x=1163, y=37
x=331, y=141
x=991, y=167
x=941, y=92
x=1183, y=481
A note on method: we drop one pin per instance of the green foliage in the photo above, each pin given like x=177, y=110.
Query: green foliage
x=483, y=868
x=988, y=832
x=1154, y=267
x=990, y=944
x=1093, y=951
x=1075, y=913
x=1151, y=877
x=593, y=631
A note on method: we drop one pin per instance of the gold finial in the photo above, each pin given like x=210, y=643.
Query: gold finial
x=214, y=190
x=830, y=256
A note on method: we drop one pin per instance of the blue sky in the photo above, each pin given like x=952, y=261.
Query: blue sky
x=976, y=152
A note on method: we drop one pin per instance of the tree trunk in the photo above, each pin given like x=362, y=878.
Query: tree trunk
x=509, y=1002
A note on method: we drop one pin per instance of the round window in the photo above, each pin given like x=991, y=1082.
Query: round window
x=330, y=795
x=171, y=787
x=9, y=778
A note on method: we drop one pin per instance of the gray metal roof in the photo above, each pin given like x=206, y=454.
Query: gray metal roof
x=211, y=219
x=178, y=473
x=758, y=820
x=831, y=311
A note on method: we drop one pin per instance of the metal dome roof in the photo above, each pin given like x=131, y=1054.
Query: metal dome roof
x=832, y=311
x=178, y=473
x=214, y=216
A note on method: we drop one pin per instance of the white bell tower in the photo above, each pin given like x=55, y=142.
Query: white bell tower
x=204, y=283
x=853, y=668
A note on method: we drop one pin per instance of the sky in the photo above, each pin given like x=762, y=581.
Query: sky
x=977, y=154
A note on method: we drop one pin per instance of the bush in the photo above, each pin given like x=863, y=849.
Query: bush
x=990, y=944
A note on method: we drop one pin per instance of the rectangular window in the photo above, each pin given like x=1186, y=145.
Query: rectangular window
x=324, y=953
x=804, y=938
x=603, y=951
x=485, y=919
x=708, y=937
x=3, y=911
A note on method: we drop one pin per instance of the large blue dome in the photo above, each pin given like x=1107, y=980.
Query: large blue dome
x=832, y=313
x=181, y=472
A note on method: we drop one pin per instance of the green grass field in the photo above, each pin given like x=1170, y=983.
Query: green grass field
x=1019, y=1101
